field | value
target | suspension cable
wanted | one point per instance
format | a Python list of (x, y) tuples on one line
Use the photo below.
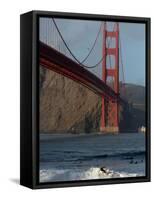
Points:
[(104, 54), (79, 62), (121, 60), (64, 40), (93, 44)]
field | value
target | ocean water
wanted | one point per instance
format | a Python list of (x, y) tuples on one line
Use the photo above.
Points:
[(80, 157)]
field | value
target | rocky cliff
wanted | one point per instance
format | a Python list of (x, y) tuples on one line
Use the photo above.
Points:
[(66, 106)]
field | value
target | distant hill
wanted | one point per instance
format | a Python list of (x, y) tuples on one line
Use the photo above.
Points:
[(134, 94), (135, 114), (66, 106)]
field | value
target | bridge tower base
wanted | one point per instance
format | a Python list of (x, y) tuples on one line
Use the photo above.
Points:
[(110, 108)]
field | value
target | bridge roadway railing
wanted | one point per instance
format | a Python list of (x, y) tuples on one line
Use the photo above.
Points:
[(56, 61)]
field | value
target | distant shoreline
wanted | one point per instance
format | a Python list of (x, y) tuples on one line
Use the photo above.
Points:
[(46, 136), (92, 133)]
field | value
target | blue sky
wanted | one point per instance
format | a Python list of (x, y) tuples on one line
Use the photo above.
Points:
[(80, 35)]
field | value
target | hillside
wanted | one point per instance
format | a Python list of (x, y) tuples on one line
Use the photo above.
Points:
[(66, 106), (134, 116), (134, 94)]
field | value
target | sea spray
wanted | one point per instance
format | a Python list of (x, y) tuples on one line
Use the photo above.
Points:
[(81, 174)]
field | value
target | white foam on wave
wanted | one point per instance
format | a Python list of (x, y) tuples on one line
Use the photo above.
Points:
[(47, 175)]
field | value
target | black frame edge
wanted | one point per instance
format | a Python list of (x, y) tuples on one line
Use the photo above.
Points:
[(34, 184), (148, 96), (91, 16), (26, 100)]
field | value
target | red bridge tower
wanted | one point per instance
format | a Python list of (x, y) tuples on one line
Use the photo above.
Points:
[(110, 108)]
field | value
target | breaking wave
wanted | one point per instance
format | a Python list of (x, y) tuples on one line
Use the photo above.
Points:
[(81, 174)]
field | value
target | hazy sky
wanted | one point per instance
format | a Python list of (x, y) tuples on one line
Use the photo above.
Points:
[(80, 36)]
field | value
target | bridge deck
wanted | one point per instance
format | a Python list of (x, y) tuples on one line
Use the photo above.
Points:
[(56, 61)]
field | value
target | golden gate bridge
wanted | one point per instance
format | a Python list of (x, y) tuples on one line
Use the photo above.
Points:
[(56, 55)]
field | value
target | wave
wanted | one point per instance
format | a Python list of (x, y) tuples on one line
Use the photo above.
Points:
[(78, 157), (53, 175), (125, 155)]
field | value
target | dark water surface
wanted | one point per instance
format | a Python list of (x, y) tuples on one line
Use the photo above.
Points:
[(79, 157)]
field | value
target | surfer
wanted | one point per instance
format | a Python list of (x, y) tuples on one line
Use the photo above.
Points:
[(105, 170)]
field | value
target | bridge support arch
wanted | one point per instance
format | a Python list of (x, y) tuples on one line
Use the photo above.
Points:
[(110, 108)]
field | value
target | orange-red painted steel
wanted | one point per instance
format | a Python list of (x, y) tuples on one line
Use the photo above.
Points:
[(54, 60), (110, 108)]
